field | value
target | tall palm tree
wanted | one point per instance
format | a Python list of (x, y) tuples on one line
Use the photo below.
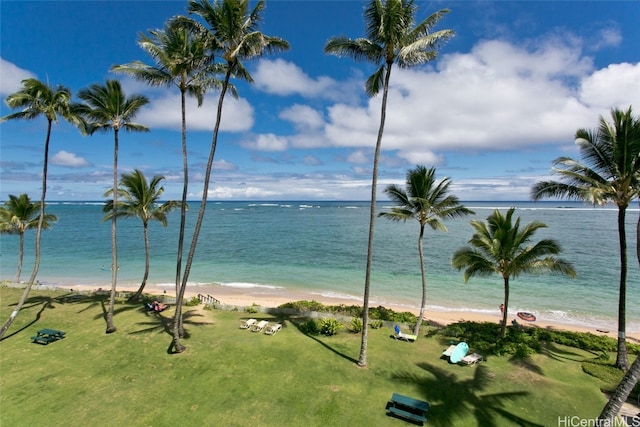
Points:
[(183, 59), (234, 31), (501, 247), (107, 108), (428, 202), (392, 38), (608, 174), (621, 393), (39, 99), (140, 199), (17, 216)]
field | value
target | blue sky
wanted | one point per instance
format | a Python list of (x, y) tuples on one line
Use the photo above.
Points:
[(503, 100)]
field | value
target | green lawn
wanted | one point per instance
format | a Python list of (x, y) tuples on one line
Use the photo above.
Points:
[(233, 377)]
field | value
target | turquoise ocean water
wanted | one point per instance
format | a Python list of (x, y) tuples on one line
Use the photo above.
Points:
[(320, 248)]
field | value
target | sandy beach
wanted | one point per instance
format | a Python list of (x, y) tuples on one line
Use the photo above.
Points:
[(272, 298)]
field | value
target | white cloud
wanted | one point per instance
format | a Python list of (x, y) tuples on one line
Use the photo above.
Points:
[(69, 160), (617, 85), (165, 113), (285, 78), (12, 77), (303, 117), (266, 142)]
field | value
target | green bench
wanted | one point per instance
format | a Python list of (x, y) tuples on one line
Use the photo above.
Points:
[(46, 336), (408, 408)]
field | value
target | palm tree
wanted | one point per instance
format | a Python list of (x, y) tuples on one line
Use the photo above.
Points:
[(18, 215), (233, 30), (621, 393), (182, 57), (39, 99), (501, 247), (428, 203), (140, 200), (107, 108), (608, 173), (391, 38)]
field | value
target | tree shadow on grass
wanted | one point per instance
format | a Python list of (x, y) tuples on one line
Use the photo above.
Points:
[(162, 322), (30, 303), (297, 322), (450, 397)]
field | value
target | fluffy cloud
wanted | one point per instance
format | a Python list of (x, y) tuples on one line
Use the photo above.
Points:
[(12, 77), (69, 160)]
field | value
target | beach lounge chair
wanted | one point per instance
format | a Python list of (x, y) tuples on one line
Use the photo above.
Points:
[(272, 329), (449, 350), (246, 324), (257, 327), (401, 336), (472, 359)]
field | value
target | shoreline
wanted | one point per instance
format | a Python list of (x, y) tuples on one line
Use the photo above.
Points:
[(267, 297)]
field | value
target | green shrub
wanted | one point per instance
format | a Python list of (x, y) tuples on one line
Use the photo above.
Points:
[(356, 325), (330, 327), (252, 308), (310, 327), (376, 324), (194, 301)]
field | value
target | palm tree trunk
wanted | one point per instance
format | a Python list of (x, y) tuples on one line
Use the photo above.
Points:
[(147, 256), (503, 328), (114, 244), (36, 265), (20, 257), (622, 360), (177, 324), (362, 358), (423, 301), (620, 395), (185, 186)]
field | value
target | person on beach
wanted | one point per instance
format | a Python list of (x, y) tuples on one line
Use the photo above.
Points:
[(501, 309)]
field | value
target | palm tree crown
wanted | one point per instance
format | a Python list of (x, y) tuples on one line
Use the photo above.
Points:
[(429, 203), (500, 246)]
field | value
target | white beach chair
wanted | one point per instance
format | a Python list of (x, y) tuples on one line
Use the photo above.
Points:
[(259, 326), (272, 329), (449, 350), (246, 324), (472, 359)]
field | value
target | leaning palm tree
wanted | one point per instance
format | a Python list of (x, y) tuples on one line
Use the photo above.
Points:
[(183, 59), (234, 32), (17, 216), (608, 173), (501, 247), (140, 200), (392, 38), (621, 393), (39, 99), (107, 108), (427, 201)]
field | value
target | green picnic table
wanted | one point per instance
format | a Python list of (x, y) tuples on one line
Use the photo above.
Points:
[(46, 336)]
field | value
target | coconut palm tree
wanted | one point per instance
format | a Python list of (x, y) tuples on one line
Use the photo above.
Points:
[(608, 174), (36, 99), (140, 199), (501, 247), (17, 216), (234, 30), (426, 201), (183, 59), (106, 108), (621, 393), (392, 38)]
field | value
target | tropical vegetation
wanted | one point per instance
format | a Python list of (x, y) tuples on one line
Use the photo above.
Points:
[(106, 108), (392, 37), (36, 99), (139, 198), (427, 201), (500, 246), (608, 173), (19, 214)]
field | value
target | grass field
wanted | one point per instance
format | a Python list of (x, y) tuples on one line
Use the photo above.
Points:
[(234, 377)]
